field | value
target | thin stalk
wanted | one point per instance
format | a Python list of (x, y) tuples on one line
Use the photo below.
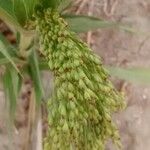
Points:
[(4, 61)]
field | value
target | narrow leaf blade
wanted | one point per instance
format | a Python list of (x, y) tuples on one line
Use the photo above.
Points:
[(50, 3), (11, 84), (20, 11), (136, 75), (35, 76), (3, 50), (29, 6), (79, 23), (64, 5), (7, 14)]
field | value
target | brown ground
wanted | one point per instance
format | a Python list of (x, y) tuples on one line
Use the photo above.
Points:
[(117, 48)]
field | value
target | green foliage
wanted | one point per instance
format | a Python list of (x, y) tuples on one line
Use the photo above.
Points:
[(52, 3), (7, 14), (4, 51), (7, 7), (30, 6), (35, 76), (24, 9), (64, 5), (79, 23), (12, 85), (20, 11), (49, 3), (135, 75)]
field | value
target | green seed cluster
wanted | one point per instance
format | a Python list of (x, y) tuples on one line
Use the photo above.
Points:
[(84, 99)]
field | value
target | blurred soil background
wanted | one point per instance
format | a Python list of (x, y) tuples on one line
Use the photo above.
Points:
[(116, 48)]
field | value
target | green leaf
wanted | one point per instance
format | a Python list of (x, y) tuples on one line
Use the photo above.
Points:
[(20, 11), (3, 60), (51, 3), (7, 14), (64, 5), (11, 51), (7, 6), (29, 6), (11, 87), (35, 76), (134, 30), (4, 50), (10, 48), (19, 84), (79, 23), (137, 75), (4, 40)]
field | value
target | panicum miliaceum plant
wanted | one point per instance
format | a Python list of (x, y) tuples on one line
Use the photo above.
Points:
[(84, 99)]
